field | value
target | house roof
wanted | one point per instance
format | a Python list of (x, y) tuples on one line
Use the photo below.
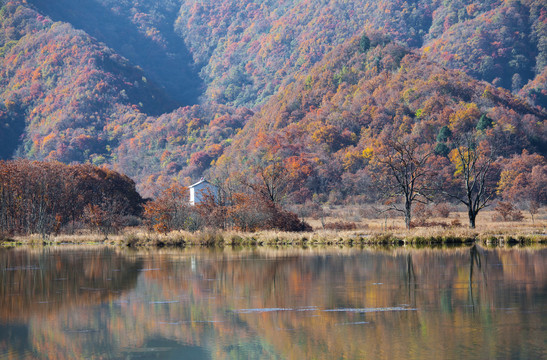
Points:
[(200, 182)]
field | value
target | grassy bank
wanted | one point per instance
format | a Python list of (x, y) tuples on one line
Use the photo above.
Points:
[(429, 236), (366, 232)]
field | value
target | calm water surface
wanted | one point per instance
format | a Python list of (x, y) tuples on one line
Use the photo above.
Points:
[(103, 303)]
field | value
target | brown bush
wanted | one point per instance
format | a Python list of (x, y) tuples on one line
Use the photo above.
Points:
[(212, 212), (170, 211), (442, 210), (288, 221), (340, 225), (422, 213), (252, 213), (508, 212)]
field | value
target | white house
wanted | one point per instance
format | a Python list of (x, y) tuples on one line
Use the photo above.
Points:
[(200, 189)]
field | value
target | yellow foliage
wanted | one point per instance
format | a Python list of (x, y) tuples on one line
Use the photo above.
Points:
[(325, 135), (351, 159), (368, 153), (9, 104), (465, 117), (509, 128), (507, 178), (456, 159)]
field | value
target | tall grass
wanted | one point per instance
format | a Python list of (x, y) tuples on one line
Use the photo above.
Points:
[(367, 232)]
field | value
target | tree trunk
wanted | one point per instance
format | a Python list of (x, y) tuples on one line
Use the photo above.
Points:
[(472, 217), (408, 214)]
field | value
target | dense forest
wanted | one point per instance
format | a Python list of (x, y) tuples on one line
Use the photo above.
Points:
[(167, 91), (49, 197), (247, 50)]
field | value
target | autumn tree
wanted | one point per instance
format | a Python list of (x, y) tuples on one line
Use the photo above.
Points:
[(523, 181), (213, 207), (271, 181), (43, 197), (474, 175), (508, 211), (403, 173), (251, 212), (170, 210), (248, 212), (106, 217)]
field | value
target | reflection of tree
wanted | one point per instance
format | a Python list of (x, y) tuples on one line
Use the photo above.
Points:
[(206, 299), (40, 282), (474, 258), (478, 261), (412, 284)]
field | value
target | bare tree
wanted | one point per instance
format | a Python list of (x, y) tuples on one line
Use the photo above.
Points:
[(403, 173), (272, 181)]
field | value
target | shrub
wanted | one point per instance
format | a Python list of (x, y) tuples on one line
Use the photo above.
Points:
[(422, 214), (442, 210), (508, 212), (340, 225), (170, 211), (251, 213), (288, 221)]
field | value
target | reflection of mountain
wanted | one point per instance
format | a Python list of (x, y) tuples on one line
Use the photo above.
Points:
[(272, 304), (42, 282)]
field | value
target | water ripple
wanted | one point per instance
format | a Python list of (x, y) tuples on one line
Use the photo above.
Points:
[(367, 310)]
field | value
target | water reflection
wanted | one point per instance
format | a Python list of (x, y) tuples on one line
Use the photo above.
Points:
[(38, 282), (264, 303)]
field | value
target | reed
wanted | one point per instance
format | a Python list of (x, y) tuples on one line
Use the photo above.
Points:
[(367, 232)]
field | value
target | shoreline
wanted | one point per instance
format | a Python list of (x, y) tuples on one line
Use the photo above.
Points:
[(137, 238)]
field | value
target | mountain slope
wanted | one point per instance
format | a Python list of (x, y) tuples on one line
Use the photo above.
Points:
[(248, 49), (322, 124), (296, 80), (500, 45), (159, 52), (62, 87), (252, 48)]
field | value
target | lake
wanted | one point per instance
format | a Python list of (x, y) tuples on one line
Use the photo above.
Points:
[(378, 303)]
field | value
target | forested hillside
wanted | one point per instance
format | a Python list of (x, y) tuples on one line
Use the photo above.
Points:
[(147, 39), (170, 90), (327, 123), (251, 48), (246, 50), (59, 88)]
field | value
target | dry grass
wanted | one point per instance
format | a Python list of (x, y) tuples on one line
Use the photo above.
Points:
[(487, 223), (368, 232)]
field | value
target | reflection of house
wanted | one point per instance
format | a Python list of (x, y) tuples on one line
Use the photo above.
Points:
[(201, 189)]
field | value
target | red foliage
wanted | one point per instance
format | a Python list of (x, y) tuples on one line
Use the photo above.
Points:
[(170, 210), (42, 197)]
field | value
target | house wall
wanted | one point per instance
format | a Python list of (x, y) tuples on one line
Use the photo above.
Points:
[(197, 192)]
